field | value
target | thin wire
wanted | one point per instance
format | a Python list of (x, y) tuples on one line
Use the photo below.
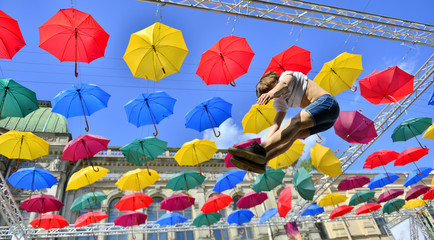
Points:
[(290, 34), (299, 34), (358, 37), (345, 43), (405, 56), (227, 23), (233, 27)]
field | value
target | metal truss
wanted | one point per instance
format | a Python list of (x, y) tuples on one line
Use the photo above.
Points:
[(317, 16)]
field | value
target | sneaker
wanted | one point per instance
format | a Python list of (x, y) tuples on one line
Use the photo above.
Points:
[(255, 153), (247, 165)]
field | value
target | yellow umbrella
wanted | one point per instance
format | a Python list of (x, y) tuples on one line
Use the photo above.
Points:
[(22, 145), (414, 203), (332, 199), (289, 157), (325, 161), (340, 73), (86, 176), (429, 133), (155, 52), (259, 117), (136, 180), (194, 152)]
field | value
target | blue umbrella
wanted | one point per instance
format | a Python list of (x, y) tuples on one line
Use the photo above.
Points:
[(149, 108), (313, 210), (171, 218), (382, 179), (417, 175), (208, 114), (228, 180), (81, 99), (267, 215), (431, 100), (240, 216)]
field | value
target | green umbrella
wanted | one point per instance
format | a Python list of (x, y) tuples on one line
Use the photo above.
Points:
[(393, 205), (143, 150), (15, 99), (206, 219), (87, 200), (362, 196), (303, 184), (185, 180), (268, 180), (411, 128)]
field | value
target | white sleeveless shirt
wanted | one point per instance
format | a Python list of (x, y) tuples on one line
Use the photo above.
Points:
[(296, 88)]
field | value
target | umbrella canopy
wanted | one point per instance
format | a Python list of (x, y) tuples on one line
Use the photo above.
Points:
[(340, 73), (143, 150), (325, 161), (240, 216), (269, 180), (133, 201), (259, 117), (194, 152), (208, 219), (416, 191), (353, 181), (289, 157), (16, 100), (225, 61), (42, 203), (303, 183), (73, 36), (411, 128), (228, 180), (89, 218), (49, 221), (284, 202), (360, 197), (155, 52), (429, 133), (414, 203), (367, 208), (313, 210), (380, 158), (81, 99), (417, 175), (85, 176), (136, 180), (429, 195), (10, 36), (353, 127), (130, 219), (267, 215), (240, 145), (251, 199), (208, 114), (216, 203), (393, 205), (292, 59), (390, 194), (177, 202), (382, 180), (185, 180), (149, 108), (87, 200), (332, 199), (32, 179), (340, 211), (409, 155), (387, 86), (171, 219)]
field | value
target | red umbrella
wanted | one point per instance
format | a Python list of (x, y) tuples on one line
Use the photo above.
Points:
[(11, 39), (368, 208), (130, 219), (89, 218), (354, 181), (389, 195), (292, 59), (49, 221), (133, 201), (353, 127), (41, 204), (216, 203), (177, 202), (409, 155), (380, 158), (340, 211), (416, 191), (240, 145), (73, 36), (284, 202), (224, 62), (387, 86), (429, 195), (251, 199)]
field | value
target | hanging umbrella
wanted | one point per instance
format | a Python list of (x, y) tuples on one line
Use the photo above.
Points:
[(258, 118), (431, 100), (89, 218), (81, 99), (42, 203), (171, 219), (143, 150), (87, 200), (393, 205), (10, 36), (429, 133), (194, 152), (416, 191), (289, 157), (216, 203), (133, 201), (313, 210), (389, 195), (332, 199), (185, 180), (284, 202), (360, 197), (340, 211), (240, 216), (149, 108), (382, 180), (16, 100), (73, 36), (417, 175), (177, 202), (240, 145), (409, 155), (228, 180), (340, 73), (208, 114), (325, 161), (429, 195), (303, 183), (84, 146), (368, 208), (353, 181), (269, 180), (49, 221), (267, 215), (414, 203), (86, 176), (22, 145), (411, 128), (380, 158), (353, 127), (251, 199), (155, 52), (136, 180), (206, 219), (130, 219), (292, 59), (225, 61)]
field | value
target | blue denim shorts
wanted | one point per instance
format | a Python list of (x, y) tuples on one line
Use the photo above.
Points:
[(324, 111)]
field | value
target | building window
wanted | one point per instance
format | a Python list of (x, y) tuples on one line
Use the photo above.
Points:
[(154, 212), (114, 213), (221, 234), (322, 230), (242, 232), (186, 235)]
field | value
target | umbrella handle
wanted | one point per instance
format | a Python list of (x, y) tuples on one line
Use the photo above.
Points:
[(156, 130), (84, 112), (216, 135), (210, 121), (76, 73), (233, 84), (16, 168), (355, 88), (320, 139), (93, 167)]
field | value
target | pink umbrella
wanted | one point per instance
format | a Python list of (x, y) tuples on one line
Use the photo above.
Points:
[(354, 181), (251, 199), (240, 145), (389, 195), (42, 204), (353, 127), (416, 191), (130, 219), (177, 202)]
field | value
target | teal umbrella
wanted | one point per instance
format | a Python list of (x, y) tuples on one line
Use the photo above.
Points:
[(393, 205), (268, 180), (144, 150), (87, 200), (411, 128), (208, 219), (185, 180), (304, 184), (360, 197), (15, 99)]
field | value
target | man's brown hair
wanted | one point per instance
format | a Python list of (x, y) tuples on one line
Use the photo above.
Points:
[(267, 82)]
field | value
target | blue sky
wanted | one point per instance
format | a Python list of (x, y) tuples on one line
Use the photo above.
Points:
[(40, 71)]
